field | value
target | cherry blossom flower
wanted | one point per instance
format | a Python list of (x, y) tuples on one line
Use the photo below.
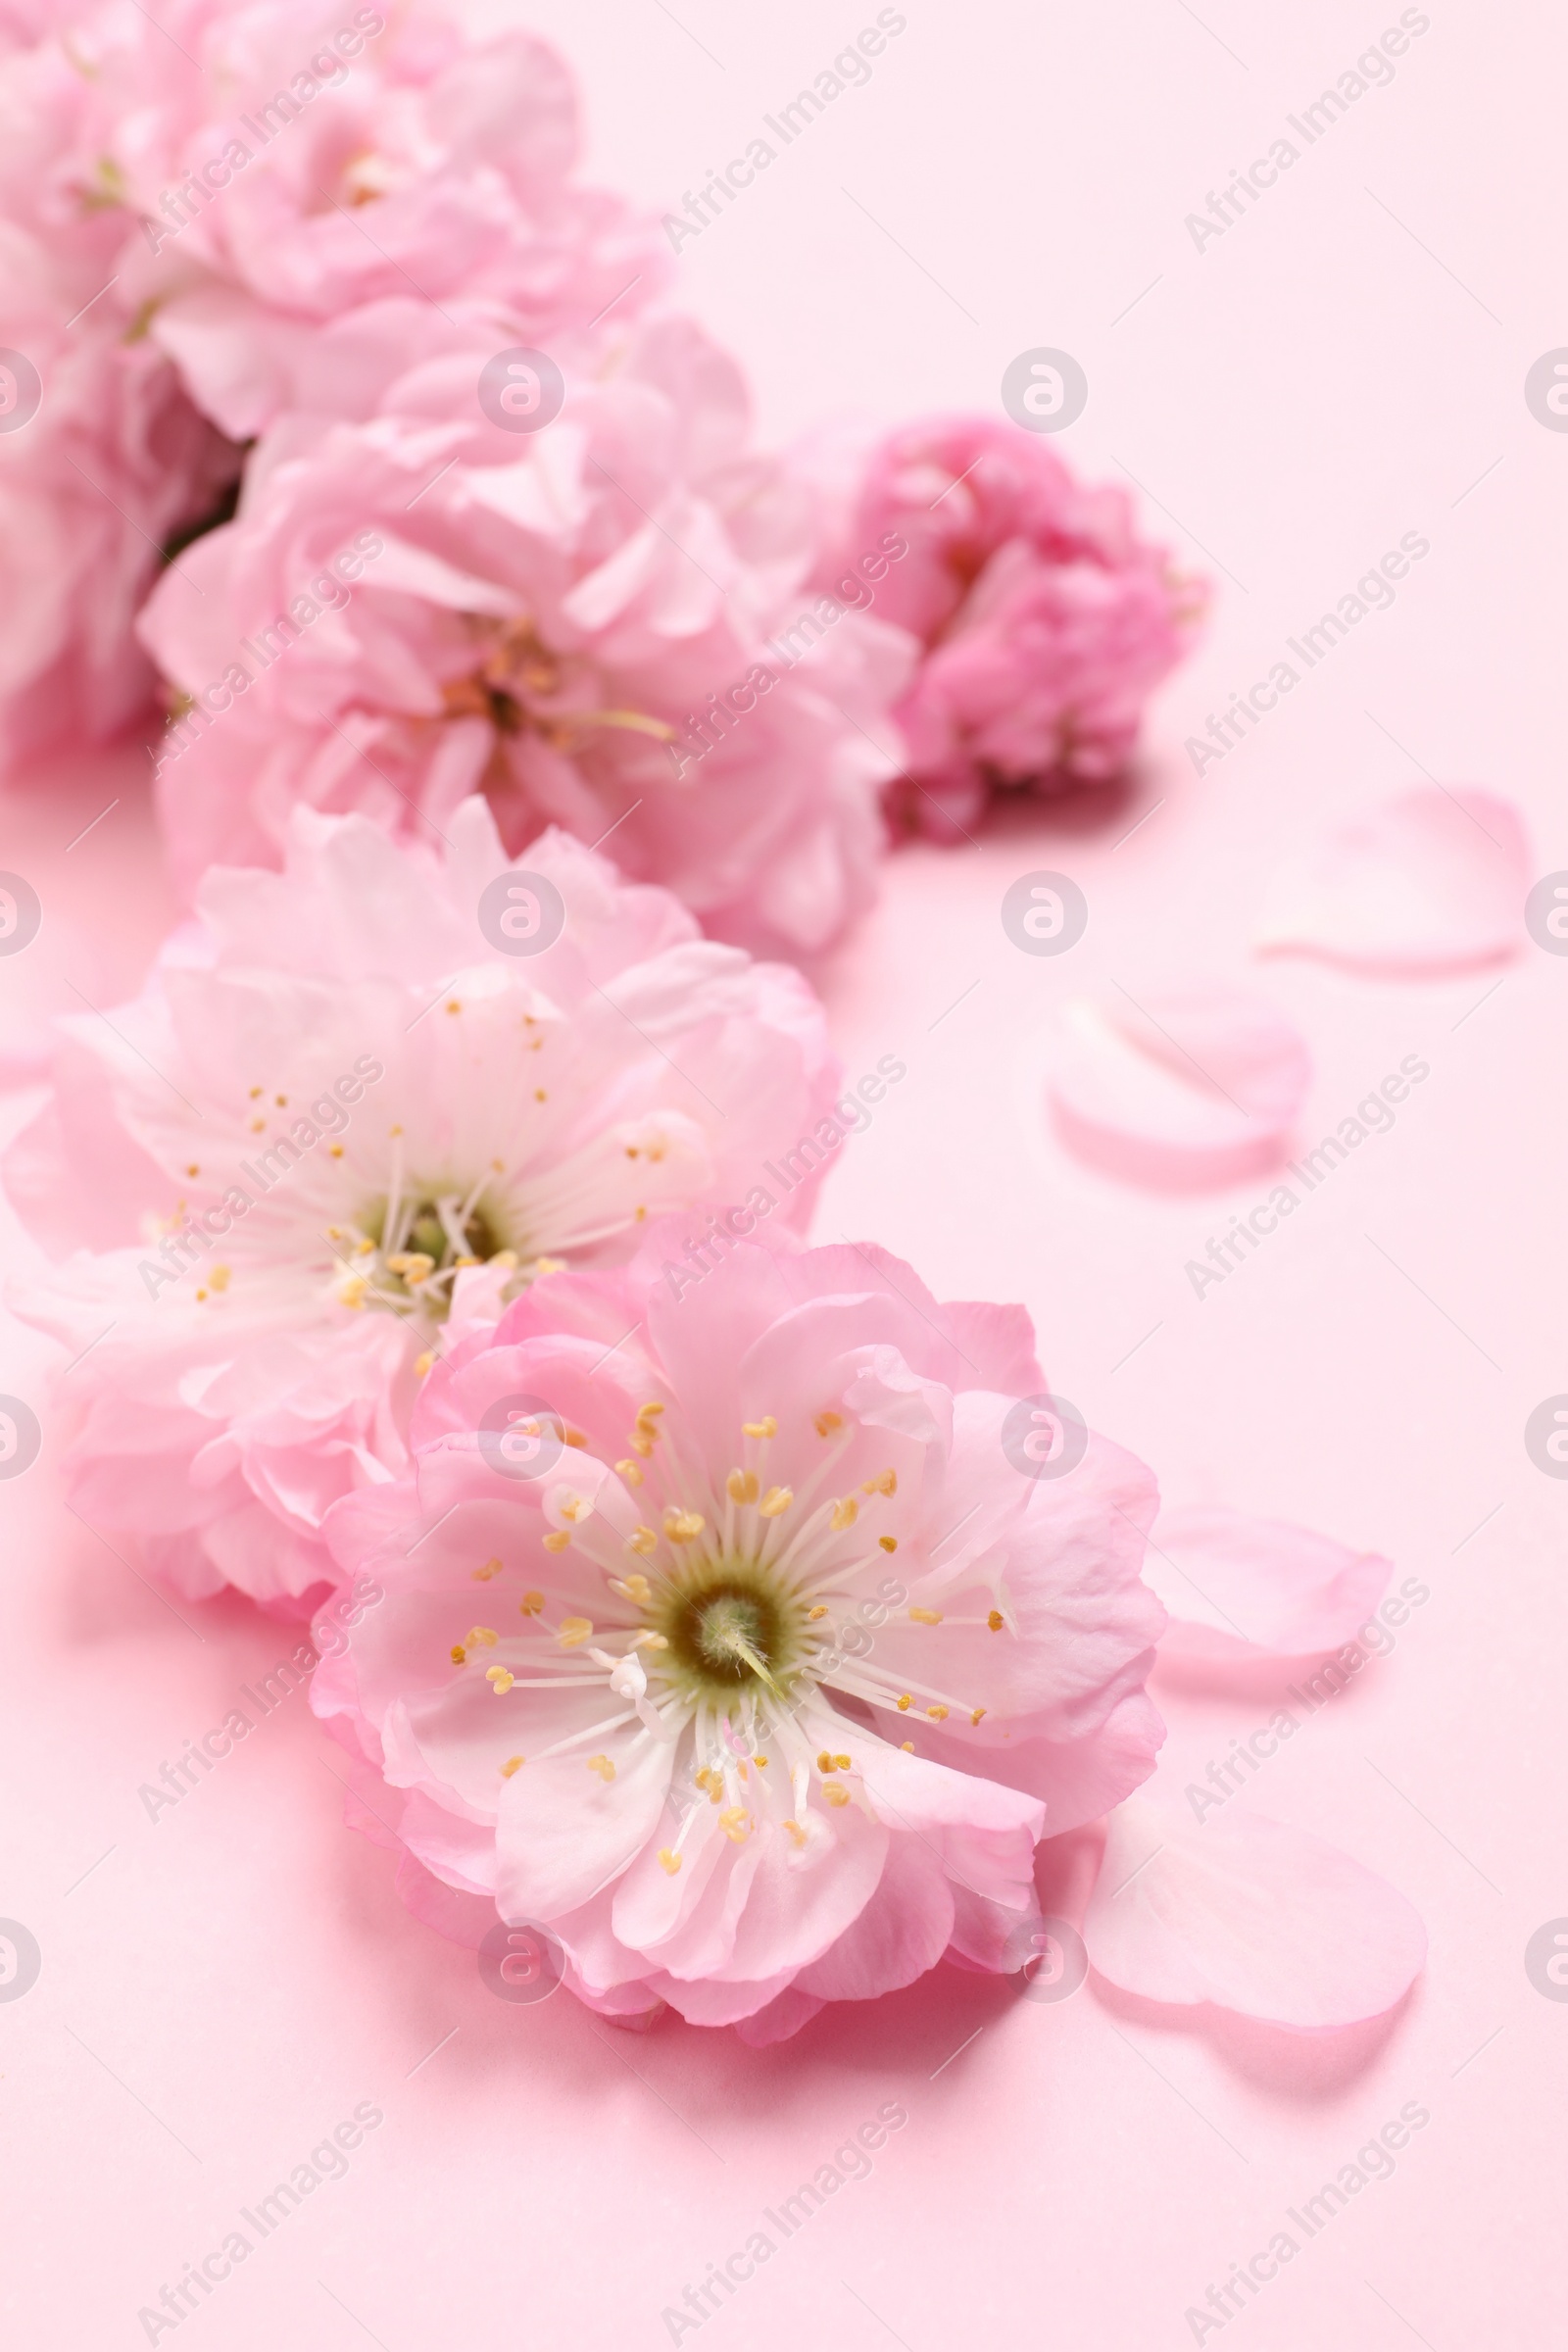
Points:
[(104, 459), (753, 1678), (274, 170), (214, 216), (575, 621), (339, 1129), (1044, 621)]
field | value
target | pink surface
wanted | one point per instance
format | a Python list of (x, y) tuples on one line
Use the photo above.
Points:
[(223, 1986)]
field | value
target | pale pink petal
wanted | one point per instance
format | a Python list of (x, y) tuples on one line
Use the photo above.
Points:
[(1250, 1915), (1233, 1583), (1430, 881), (1199, 1084)]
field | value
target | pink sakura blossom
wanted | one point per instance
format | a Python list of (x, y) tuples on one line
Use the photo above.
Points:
[(1044, 621), (103, 457), (339, 1129), (589, 623), (276, 169), (213, 216), (753, 1680)]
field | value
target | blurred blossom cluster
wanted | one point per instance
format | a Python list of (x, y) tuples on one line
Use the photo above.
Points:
[(288, 274)]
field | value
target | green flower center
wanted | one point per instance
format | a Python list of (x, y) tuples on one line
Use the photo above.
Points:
[(732, 1627)]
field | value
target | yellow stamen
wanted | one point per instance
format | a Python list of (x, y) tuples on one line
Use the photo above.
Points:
[(669, 1859), (938, 1714), (604, 1767), (736, 1823), (577, 1506), (630, 1471), (797, 1834), (741, 1485), (905, 1703), (483, 1576), (835, 1792), (558, 1538), (414, 1266), (422, 1363), (512, 1764), (908, 1747), (682, 1526), (845, 1514), (642, 1540), (827, 1423), (995, 1621), (978, 1712), (767, 1427), (634, 1588), (886, 1482), (824, 1762), (572, 1632), (820, 1610), (775, 1501), (459, 1655), (481, 1636), (889, 1543), (500, 1680), (531, 1603), (925, 1616)]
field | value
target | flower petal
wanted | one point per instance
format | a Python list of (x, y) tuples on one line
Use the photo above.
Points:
[(1249, 1914), (1230, 1581), (1432, 880), (1191, 1085)]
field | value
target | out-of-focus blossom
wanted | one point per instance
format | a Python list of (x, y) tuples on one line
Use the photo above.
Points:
[(1044, 621), (603, 624)]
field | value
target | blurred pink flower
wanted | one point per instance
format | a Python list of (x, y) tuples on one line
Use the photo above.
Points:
[(103, 457), (1044, 622), (213, 216), (276, 169), (551, 619), (756, 1685), (339, 1127)]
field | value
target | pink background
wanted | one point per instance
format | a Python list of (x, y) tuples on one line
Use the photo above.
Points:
[(219, 1989)]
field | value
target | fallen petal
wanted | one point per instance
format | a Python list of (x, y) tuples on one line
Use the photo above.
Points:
[(1195, 1085), (1432, 880), (1233, 1584), (1249, 1914)]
